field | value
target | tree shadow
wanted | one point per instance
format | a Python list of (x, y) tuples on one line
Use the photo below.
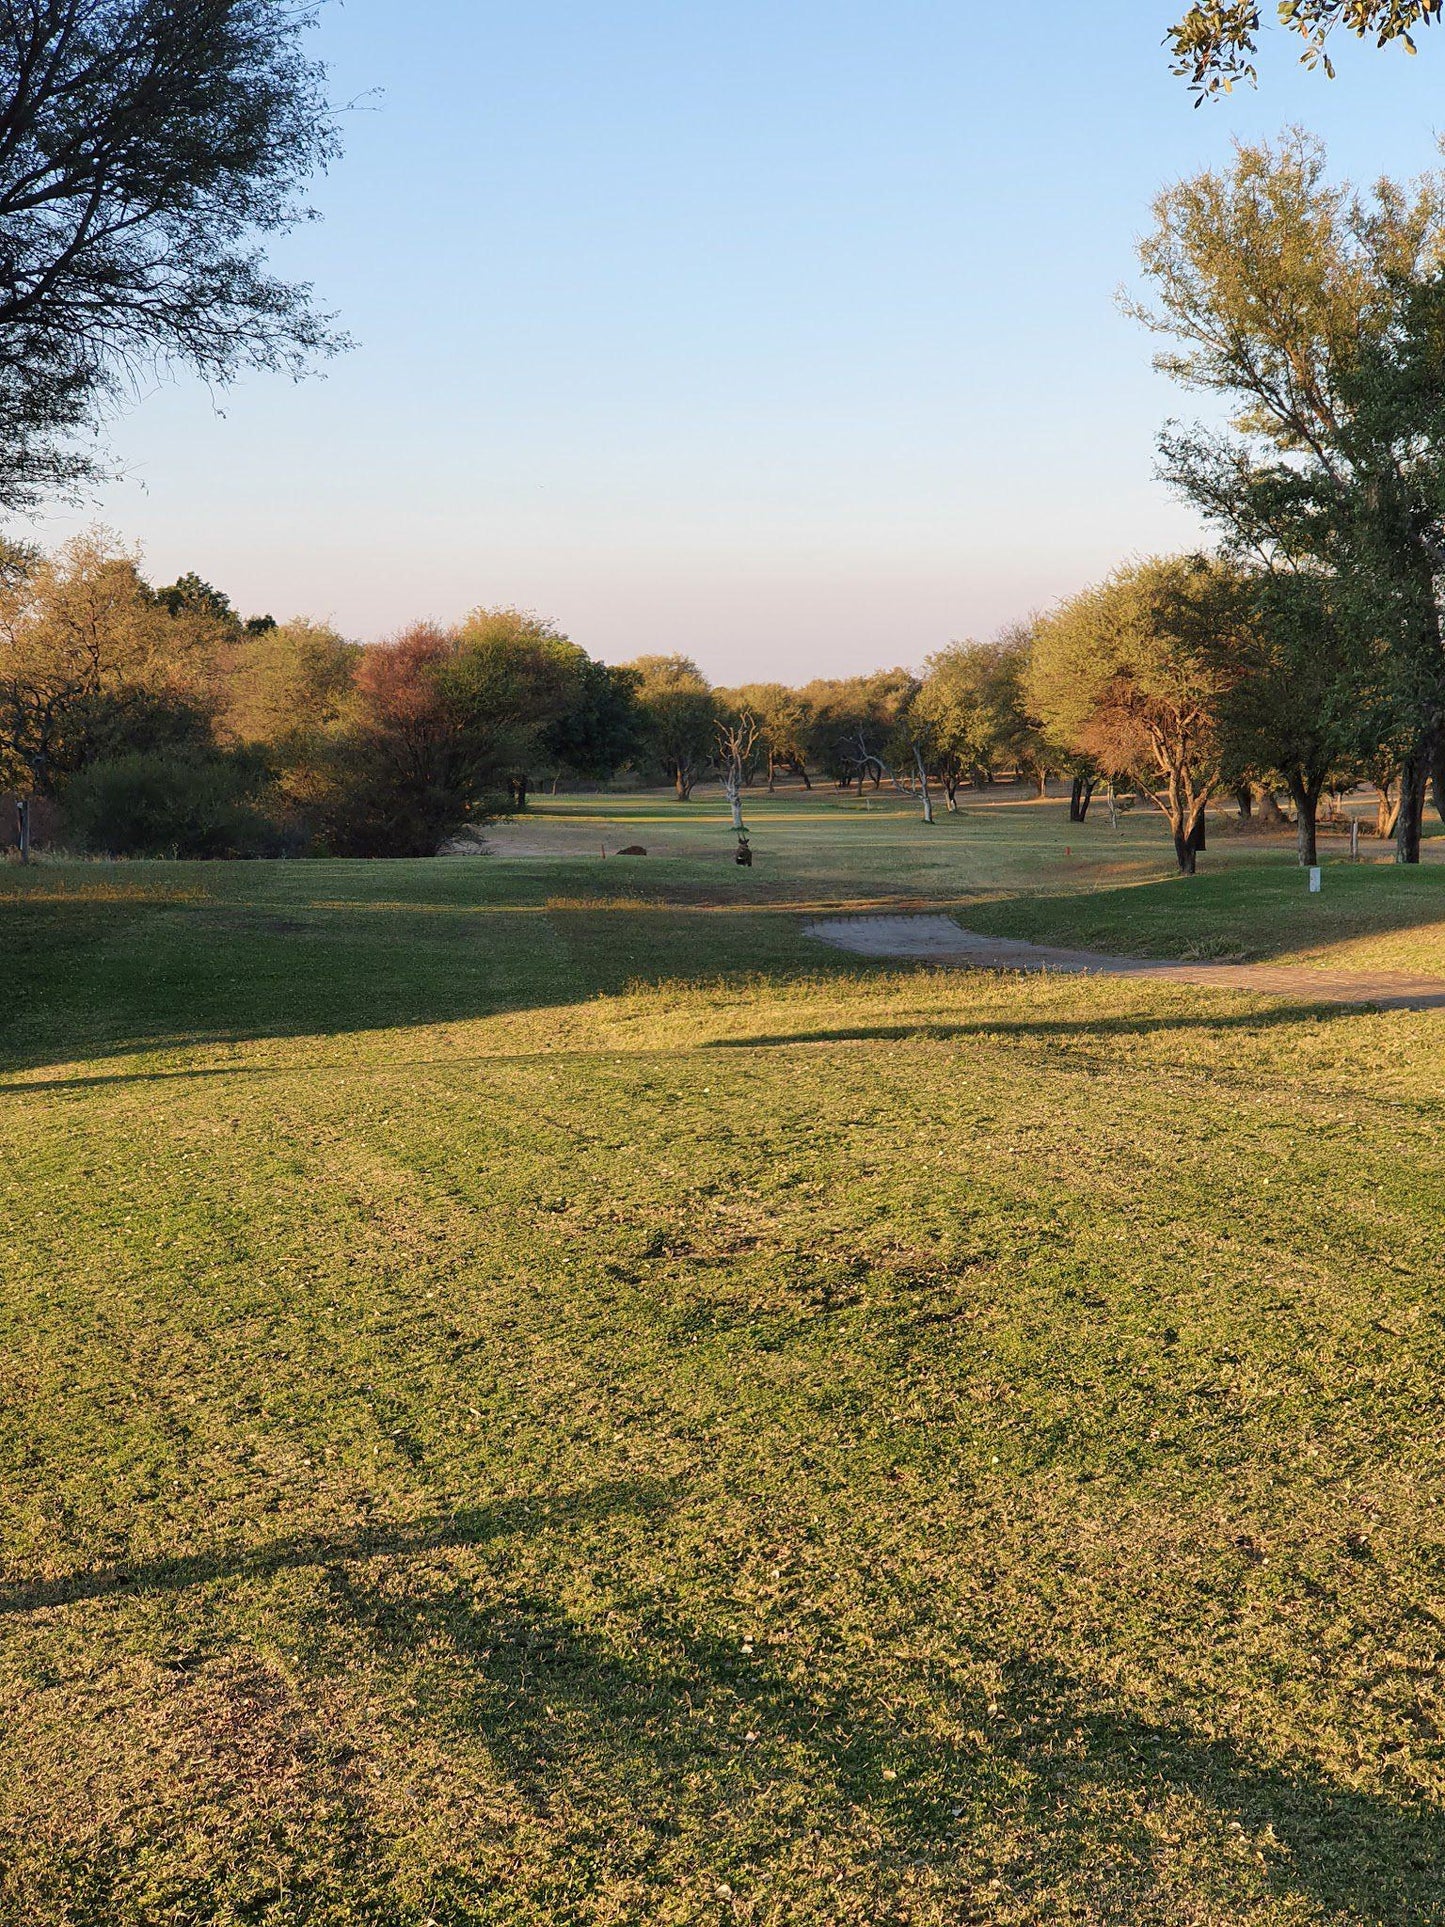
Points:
[(681, 1736), (89, 981), (472, 1526), (394, 946), (1073, 1780), (1260, 910), (1127, 1024)]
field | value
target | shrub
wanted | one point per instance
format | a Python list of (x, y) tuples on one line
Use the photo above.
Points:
[(176, 803)]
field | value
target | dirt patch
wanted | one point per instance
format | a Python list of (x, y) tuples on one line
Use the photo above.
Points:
[(938, 939)]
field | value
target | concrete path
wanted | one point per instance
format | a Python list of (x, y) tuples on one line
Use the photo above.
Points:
[(938, 939)]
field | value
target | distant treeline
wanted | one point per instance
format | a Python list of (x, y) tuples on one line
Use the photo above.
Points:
[(159, 722), (156, 721)]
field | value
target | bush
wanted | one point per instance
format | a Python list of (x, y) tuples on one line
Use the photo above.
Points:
[(177, 803)]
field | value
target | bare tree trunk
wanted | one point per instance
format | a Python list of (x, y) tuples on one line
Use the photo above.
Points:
[(1244, 796), (772, 775), (922, 768), (803, 772), (1437, 774), (1184, 851), (1080, 798), (22, 827)]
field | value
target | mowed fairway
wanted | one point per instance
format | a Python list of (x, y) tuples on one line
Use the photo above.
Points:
[(533, 1393)]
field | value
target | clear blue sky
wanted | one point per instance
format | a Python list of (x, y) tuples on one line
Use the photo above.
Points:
[(782, 333)]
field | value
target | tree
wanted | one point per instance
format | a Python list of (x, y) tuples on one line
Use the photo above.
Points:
[(291, 679), (1295, 705), (189, 595), (1134, 673), (949, 704), (1319, 313), (678, 716), (287, 695), (146, 148), (735, 740), (517, 676), (601, 729), (407, 768), (854, 719), (784, 721), (92, 663), (972, 701), (914, 742), (188, 803), (1215, 42)]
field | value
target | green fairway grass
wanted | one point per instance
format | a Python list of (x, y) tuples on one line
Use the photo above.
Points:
[(535, 1393)]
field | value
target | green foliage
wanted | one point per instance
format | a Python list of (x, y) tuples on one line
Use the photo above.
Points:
[(1301, 707), (679, 715), (1134, 674), (179, 802), (287, 683), (84, 642), (601, 728), (1321, 312), (972, 713), (514, 678), (785, 724), (855, 719), (189, 595)]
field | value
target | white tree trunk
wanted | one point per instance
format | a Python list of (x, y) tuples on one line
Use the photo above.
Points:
[(923, 783)]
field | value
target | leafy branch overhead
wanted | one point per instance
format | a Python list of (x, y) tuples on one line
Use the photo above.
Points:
[(1215, 43), (147, 148)]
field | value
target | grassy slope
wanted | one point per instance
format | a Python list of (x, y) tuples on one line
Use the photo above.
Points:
[(535, 1396)]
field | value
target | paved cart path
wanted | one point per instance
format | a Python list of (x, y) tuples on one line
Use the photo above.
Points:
[(938, 939)]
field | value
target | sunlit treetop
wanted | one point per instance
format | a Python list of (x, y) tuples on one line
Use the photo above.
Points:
[(1215, 42)]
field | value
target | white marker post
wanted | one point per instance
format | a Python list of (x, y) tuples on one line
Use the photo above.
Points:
[(1314, 880)]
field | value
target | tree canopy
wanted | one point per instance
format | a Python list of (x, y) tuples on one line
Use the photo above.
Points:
[(1134, 673), (1319, 312)]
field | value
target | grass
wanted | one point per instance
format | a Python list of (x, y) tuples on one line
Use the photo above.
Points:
[(534, 1394)]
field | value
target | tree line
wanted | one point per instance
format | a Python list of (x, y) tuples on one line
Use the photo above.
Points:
[(158, 721), (1303, 653)]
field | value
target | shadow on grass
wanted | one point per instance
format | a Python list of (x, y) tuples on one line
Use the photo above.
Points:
[(1131, 1024), (388, 946), (474, 1526), (924, 1032), (599, 1735), (1258, 912), (1070, 1780), (91, 981), (592, 1731)]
